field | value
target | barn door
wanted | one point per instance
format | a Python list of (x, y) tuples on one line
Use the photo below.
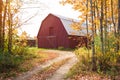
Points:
[(52, 41)]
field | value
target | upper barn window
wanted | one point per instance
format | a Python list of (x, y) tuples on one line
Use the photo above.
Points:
[(51, 31)]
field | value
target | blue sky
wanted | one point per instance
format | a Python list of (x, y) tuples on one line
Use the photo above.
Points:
[(40, 9)]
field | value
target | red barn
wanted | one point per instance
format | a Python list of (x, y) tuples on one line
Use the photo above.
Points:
[(55, 31)]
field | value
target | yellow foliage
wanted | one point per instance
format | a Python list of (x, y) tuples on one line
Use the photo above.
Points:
[(15, 31), (76, 26), (84, 7)]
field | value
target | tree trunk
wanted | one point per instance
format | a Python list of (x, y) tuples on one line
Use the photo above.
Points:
[(95, 31), (93, 46), (3, 26), (105, 27), (101, 28), (87, 25), (9, 28), (112, 14), (1, 3), (87, 17), (10, 34), (118, 29)]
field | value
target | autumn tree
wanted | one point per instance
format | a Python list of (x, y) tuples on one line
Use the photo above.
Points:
[(103, 17), (9, 9), (10, 23)]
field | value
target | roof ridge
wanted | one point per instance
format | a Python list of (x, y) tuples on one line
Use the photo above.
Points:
[(65, 18)]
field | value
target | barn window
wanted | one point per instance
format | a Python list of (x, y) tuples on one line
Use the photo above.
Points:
[(51, 31)]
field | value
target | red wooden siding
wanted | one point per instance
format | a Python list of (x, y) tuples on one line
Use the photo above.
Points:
[(52, 34)]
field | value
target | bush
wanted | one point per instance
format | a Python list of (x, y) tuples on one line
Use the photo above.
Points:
[(105, 63), (84, 56), (19, 50), (12, 61), (8, 62)]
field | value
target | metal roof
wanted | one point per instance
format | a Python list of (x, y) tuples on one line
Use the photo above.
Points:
[(67, 25)]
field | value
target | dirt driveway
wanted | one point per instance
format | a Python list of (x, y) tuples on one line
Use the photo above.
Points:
[(59, 74)]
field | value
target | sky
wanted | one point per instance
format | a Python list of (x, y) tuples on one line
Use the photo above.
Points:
[(37, 10)]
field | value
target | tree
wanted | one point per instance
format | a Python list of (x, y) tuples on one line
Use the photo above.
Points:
[(9, 11), (102, 16), (101, 27), (9, 27), (93, 33), (10, 22), (1, 5), (118, 43), (119, 17)]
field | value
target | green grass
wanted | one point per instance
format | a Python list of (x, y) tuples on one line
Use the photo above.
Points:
[(36, 49), (59, 48)]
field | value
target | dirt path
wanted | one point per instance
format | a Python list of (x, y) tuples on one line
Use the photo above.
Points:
[(59, 74)]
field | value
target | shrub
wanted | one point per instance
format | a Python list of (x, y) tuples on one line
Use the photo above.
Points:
[(8, 62), (12, 61), (105, 63), (84, 56), (19, 50)]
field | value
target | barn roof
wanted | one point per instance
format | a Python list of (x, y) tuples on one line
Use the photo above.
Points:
[(67, 25)]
